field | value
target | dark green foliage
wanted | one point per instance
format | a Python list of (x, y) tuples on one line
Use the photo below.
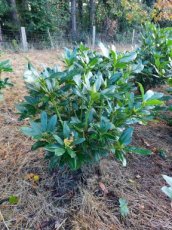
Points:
[(42, 15), (3, 7), (4, 67), (37, 16), (155, 53), (87, 110), (4, 83)]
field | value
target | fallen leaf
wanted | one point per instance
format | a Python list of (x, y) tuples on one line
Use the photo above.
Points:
[(138, 176), (131, 181), (29, 176), (145, 142), (142, 206), (32, 177), (36, 178), (103, 188)]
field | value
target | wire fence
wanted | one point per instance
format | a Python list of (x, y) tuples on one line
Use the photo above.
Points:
[(17, 41)]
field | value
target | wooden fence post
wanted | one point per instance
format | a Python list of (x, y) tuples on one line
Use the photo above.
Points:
[(133, 36), (94, 37), (24, 39), (50, 38)]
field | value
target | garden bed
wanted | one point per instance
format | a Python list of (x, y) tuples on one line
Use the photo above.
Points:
[(87, 200)]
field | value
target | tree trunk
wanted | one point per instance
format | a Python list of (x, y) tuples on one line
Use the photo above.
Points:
[(80, 12), (92, 13), (13, 11), (0, 36), (73, 19)]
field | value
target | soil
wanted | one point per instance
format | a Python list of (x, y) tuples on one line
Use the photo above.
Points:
[(87, 200)]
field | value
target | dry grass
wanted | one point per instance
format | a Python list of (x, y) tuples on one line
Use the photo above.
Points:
[(16, 161), (61, 200), (94, 214)]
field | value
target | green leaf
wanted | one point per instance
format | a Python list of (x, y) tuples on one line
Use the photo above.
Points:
[(66, 130), (150, 95), (71, 153), (139, 151), (153, 102), (169, 81), (137, 68), (44, 121), (58, 139), (76, 162), (27, 131), (79, 141), (141, 89), (93, 62), (123, 205), (120, 156), (104, 50), (128, 57), (167, 191), (59, 151), (168, 179), (126, 137), (98, 83), (13, 200), (31, 132), (115, 77), (52, 124), (169, 42)]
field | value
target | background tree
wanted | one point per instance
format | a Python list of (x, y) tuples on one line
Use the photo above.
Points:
[(73, 19), (80, 13), (162, 12), (92, 12), (14, 12), (77, 17)]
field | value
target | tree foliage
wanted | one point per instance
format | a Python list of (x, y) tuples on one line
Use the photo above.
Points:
[(162, 11), (77, 17)]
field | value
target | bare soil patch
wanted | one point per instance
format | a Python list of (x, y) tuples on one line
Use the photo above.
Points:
[(75, 201)]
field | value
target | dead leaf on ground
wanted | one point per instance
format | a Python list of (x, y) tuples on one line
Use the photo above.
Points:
[(103, 188)]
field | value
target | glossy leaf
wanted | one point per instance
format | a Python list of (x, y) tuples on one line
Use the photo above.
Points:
[(168, 179), (139, 151), (44, 121), (52, 123), (126, 136)]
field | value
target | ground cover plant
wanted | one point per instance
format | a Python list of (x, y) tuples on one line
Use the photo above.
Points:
[(155, 53), (87, 111), (4, 67)]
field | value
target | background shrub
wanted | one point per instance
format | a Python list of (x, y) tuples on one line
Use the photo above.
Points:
[(155, 53), (4, 67)]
